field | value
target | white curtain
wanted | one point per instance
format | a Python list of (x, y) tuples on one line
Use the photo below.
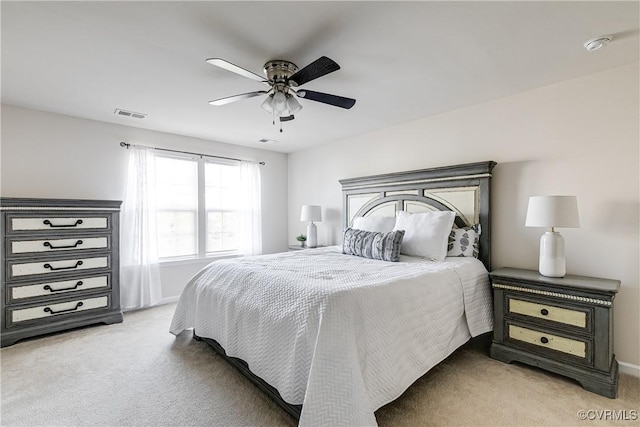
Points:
[(139, 269), (250, 209)]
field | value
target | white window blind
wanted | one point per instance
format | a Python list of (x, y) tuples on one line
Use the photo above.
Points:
[(198, 204)]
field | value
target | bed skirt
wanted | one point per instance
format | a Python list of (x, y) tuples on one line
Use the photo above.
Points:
[(243, 367)]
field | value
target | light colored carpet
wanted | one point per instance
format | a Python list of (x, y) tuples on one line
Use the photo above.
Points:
[(137, 374)]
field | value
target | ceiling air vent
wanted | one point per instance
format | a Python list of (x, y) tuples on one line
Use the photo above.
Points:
[(126, 113)]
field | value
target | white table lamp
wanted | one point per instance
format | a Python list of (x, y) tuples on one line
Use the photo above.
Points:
[(311, 213), (552, 212)]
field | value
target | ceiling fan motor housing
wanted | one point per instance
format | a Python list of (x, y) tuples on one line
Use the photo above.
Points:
[(279, 71)]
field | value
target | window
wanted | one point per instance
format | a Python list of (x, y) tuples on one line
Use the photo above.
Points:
[(221, 200), (196, 207)]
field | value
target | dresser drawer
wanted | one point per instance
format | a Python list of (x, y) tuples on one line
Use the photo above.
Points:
[(19, 294), (57, 244), (552, 313), (57, 223), (57, 310), (19, 269), (546, 341)]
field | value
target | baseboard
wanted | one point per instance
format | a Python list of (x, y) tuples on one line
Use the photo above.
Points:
[(629, 369), (168, 300), (163, 301)]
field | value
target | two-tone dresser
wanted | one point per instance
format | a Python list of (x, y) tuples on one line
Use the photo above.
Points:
[(563, 325), (60, 265)]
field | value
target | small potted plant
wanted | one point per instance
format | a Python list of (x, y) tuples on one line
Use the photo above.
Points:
[(302, 239)]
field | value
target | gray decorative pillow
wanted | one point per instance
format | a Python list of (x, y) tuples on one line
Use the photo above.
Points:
[(369, 244), (464, 241)]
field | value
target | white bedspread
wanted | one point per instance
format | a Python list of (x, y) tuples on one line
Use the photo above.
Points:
[(340, 334)]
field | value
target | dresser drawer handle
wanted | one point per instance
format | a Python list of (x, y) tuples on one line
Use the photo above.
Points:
[(78, 305), (544, 340), (48, 244), (50, 289), (49, 266), (544, 311), (47, 222)]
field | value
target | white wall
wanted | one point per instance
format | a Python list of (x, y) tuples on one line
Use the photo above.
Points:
[(577, 137), (55, 156)]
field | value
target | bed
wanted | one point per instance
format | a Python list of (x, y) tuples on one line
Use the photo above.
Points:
[(333, 337)]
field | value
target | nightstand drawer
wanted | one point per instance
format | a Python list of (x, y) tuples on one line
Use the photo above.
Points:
[(549, 312), (549, 341)]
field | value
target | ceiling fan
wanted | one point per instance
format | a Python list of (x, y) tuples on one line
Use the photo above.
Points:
[(284, 79)]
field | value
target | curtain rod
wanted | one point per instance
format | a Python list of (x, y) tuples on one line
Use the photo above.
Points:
[(124, 144)]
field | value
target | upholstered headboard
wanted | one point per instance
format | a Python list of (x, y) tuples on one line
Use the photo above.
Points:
[(464, 189)]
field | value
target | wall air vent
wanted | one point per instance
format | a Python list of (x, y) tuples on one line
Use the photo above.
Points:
[(126, 113)]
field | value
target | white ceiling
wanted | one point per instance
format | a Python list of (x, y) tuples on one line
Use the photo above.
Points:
[(401, 61)]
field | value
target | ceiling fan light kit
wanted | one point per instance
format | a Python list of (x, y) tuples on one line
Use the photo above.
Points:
[(283, 77)]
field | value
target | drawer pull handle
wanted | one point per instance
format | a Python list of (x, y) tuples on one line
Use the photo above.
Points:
[(47, 222), (544, 340), (544, 311), (50, 289), (78, 305), (48, 244), (49, 266)]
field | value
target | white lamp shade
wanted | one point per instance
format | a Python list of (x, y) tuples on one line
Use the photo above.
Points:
[(293, 105), (553, 211), (311, 213), (279, 102), (267, 105)]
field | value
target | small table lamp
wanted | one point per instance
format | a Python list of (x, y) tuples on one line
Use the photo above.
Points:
[(311, 213), (552, 211)]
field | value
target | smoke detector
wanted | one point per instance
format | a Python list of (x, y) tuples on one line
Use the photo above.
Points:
[(597, 43)]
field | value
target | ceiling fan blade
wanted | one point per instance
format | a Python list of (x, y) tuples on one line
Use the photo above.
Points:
[(219, 62), (234, 98), (287, 118), (317, 68), (338, 101)]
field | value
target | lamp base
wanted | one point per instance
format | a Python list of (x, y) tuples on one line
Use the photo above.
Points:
[(312, 235), (552, 262)]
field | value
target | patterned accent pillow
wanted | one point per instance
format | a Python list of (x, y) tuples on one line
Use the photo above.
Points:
[(370, 244), (464, 241)]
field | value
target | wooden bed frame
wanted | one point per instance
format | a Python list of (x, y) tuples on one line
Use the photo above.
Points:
[(464, 189)]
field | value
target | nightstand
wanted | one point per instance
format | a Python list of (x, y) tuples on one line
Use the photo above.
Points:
[(298, 247), (563, 325)]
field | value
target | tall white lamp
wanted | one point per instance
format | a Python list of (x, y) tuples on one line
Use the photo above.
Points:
[(552, 212), (311, 213)]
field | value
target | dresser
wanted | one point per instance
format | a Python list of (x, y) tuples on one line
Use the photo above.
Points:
[(563, 325), (60, 265)]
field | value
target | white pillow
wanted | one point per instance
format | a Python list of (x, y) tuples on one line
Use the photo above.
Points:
[(378, 224), (426, 234)]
